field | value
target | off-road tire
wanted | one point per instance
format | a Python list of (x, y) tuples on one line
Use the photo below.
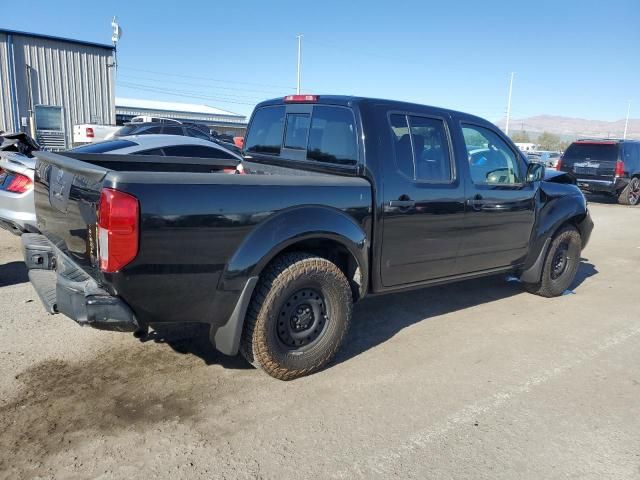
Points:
[(288, 274), (630, 195), (551, 285)]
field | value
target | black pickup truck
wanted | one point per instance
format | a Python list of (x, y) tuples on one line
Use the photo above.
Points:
[(341, 197)]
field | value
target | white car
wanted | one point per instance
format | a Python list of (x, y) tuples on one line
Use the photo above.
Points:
[(17, 208), (164, 145)]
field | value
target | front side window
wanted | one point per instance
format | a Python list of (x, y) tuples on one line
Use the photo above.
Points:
[(332, 136), (491, 161), (172, 130), (265, 134)]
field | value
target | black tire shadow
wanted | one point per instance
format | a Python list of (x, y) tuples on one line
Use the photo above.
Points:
[(193, 339), (379, 318), (13, 273), (601, 198)]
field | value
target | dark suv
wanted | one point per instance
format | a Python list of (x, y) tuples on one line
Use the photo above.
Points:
[(605, 166)]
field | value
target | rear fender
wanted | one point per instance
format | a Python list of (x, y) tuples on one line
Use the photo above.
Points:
[(291, 226)]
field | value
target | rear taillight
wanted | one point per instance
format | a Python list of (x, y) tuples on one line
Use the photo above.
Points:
[(619, 171), (118, 229), (18, 183), (90, 133), (559, 164)]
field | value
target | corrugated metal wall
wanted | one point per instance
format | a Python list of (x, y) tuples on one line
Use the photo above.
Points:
[(77, 77)]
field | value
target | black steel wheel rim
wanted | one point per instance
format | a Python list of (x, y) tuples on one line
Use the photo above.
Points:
[(634, 191), (560, 260), (302, 319)]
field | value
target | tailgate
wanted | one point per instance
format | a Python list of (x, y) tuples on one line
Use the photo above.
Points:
[(66, 194)]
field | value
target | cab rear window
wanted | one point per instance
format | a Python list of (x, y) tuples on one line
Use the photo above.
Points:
[(326, 134), (265, 134)]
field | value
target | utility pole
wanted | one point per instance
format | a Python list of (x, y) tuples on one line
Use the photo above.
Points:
[(626, 122), (299, 37), (506, 127)]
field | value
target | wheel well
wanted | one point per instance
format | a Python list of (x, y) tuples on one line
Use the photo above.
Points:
[(334, 252)]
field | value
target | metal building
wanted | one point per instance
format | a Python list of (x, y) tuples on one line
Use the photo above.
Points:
[(48, 84), (221, 121)]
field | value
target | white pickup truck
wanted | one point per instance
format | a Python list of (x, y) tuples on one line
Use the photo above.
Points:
[(92, 132)]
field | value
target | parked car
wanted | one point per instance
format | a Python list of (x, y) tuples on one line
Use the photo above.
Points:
[(605, 166), (17, 165), (550, 159), (161, 145), (92, 132), (344, 196)]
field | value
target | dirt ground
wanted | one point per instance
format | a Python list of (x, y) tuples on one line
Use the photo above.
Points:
[(473, 380)]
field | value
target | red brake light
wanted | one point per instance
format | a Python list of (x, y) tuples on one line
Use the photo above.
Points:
[(300, 98), (619, 172), (90, 133), (19, 184), (559, 164), (118, 215)]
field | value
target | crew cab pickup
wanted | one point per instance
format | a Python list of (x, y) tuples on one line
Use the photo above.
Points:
[(341, 197)]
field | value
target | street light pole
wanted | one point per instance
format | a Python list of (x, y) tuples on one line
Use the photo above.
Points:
[(626, 122), (506, 127), (299, 37)]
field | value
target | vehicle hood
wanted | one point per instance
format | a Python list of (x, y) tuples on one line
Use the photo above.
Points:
[(554, 176)]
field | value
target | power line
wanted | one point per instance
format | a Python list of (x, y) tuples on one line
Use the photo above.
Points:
[(194, 77), (179, 93), (198, 85)]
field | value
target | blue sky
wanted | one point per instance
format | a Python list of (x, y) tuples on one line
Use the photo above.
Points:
[(572, 58)]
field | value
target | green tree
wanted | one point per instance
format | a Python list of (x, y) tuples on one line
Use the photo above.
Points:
[(521, 137), (548, 141)]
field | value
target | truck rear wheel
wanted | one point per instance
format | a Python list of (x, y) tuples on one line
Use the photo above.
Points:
[(560, 265), (298, 316), (630, 195)]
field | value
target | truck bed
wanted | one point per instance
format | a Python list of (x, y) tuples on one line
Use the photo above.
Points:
[(192, 225)]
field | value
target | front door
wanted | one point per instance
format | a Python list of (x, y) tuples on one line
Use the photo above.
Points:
[(500, 211), (423, 201)]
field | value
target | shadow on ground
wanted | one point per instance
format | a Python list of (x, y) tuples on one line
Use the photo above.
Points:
[(379, 318), (601, 198), (13, 273), (193, 339)]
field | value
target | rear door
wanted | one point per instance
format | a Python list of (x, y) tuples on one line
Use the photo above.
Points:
[(592, 160), (500, 205), (423, 201)]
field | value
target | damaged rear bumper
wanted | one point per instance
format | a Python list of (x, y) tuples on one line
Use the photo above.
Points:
[(65, 288)]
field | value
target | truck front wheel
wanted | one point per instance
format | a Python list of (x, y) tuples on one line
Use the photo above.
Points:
[(560, 265), (298, 316)]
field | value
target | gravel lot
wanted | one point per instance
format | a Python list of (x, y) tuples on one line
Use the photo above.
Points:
[(474, 380)]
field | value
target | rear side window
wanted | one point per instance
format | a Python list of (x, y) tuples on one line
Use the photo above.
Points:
[(196, 151), (103, 147), (153, 151), (422, 148), (332, 136), (265, 134), (592, 151), (194, 132)]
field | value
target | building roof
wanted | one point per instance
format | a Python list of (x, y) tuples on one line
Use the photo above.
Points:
[(137, 103), (59, 39)]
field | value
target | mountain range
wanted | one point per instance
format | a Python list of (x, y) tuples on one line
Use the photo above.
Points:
[(570, 128)]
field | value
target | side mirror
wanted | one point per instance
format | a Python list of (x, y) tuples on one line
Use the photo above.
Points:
[(535, 172)]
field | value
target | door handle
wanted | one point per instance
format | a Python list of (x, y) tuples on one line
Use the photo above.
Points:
[(476, 203), (402, 203)]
